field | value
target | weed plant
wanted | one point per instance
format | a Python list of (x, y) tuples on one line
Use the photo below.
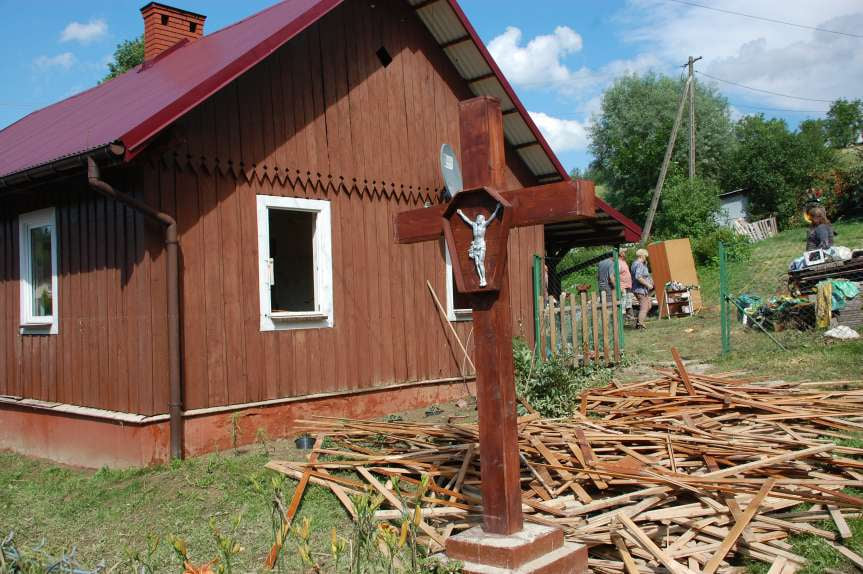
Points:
[(553, 386)]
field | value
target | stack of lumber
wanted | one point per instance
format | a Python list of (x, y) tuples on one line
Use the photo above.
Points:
[(682, 473)]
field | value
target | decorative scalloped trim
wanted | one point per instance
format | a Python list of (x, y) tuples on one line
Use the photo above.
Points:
[(295, 178)]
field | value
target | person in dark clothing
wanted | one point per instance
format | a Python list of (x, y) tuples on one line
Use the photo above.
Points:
[(820, 230)]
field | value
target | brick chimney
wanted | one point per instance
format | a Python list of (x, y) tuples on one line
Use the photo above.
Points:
[(164, 26)]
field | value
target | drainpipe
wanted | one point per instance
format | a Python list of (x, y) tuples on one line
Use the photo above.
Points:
[(175, 406)]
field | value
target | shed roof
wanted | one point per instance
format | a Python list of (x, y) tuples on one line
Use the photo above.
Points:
[(134, 107)]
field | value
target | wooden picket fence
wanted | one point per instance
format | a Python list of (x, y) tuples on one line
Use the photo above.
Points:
[(583, 327)]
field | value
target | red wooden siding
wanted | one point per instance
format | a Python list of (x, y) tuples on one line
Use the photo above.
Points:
[(321, 118), (111, 351)]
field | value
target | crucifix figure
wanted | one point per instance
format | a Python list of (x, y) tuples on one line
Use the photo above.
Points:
[(485, 242), (476, 251)]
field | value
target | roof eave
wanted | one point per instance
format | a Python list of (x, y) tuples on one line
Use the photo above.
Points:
[(508, 89), (111, 152)]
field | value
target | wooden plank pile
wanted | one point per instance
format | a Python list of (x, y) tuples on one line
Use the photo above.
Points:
[(682, 473)]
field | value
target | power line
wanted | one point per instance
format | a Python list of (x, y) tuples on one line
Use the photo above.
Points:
[(760, 90), (736, 105), (764, 19)]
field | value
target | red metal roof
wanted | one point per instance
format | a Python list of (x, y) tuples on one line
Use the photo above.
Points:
[(134, 107)]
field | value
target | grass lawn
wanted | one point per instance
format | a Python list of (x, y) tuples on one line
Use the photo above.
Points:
[(107, 514), (697, 338)]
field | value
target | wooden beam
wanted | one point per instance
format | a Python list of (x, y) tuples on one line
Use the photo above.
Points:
[(526, 145), (483, 156), (554, 175), (424, 4), (532, 207), (681, 370), (482, 77), (738, 527), (454, 42)]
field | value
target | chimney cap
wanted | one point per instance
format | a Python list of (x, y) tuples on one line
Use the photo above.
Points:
[(173, 9)]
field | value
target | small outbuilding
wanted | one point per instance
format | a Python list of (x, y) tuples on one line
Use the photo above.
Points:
[(734, 205)]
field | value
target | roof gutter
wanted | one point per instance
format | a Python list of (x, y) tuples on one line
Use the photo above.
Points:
[(175, 404), (108, 154)]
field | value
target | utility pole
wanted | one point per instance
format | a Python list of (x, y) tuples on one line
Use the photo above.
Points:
[(691, 67), (645, 234), (688, 93)]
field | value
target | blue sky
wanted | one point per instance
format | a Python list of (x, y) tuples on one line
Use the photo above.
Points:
[(560, 55)]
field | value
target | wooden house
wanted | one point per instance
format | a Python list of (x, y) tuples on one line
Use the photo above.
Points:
[(200, 251)]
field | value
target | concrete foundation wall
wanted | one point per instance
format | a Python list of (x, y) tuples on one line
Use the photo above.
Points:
[(97, 442)]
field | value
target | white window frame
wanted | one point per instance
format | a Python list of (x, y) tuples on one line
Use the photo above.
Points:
[(452, 313), (322, 316), (31, 324)]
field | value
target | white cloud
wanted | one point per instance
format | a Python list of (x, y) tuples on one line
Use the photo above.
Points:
[(760, 54), (561, 134), (539, 61), (63, 61), (85, 33)]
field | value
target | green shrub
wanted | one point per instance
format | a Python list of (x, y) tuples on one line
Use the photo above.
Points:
[(687, 208), (705, 249), (553, 386)]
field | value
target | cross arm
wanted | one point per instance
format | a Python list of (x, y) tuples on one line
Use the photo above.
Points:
[(562, 201)]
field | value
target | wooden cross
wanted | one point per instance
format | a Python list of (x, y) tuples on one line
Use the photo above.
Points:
[(484, 174)]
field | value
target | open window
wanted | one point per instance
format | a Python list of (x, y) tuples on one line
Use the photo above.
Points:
[(38, 266), (295, 266), (457, 305)]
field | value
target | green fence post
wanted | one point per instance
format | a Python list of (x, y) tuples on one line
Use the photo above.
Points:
[(724, 327), (620, 295), (537, 294)]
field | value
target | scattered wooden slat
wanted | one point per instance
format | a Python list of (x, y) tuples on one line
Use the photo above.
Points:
[(737, 530), (706, 475), (839, 520)]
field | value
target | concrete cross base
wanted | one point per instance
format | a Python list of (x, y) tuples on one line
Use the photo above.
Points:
[(536, 549)]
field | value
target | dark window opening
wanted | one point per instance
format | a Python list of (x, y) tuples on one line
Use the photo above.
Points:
[(460, 301), (293, 260), (193, 27), (384, 56), (164, 19)]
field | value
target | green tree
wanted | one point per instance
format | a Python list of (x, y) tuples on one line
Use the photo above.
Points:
[(776, 165), (687, 209), (129, 53), (844, 123), (630, 134)]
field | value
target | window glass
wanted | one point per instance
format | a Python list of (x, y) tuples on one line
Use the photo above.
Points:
[(292, 260), (42, 298)]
